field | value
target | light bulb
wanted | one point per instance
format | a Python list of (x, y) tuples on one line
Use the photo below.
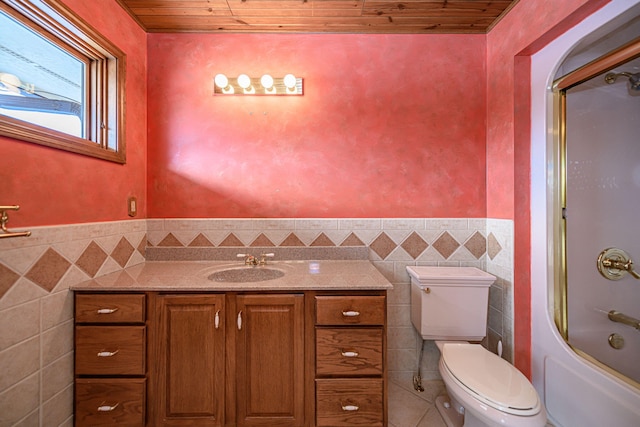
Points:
[(266, 81), (244, 81), (290, 81), (221, 81)]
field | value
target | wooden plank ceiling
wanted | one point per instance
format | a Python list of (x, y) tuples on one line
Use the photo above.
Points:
[(318, 16)]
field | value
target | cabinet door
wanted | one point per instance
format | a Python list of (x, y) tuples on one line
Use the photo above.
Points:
[(190, 364), (270, 360)]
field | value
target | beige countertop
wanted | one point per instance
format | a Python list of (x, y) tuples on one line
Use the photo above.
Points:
[(194, 276)]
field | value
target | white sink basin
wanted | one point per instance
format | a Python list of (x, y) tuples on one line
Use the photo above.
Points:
[(246, 274)]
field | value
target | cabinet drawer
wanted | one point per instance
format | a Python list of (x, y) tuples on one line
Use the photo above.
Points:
[(109, 308), (350, 402), (101, 402), (350, 310), (110, 350), (349, 351)]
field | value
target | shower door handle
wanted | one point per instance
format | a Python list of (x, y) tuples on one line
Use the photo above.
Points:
[(613, 263)]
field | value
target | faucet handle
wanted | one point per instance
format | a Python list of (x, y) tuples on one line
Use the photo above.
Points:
[(248, 259), (263, 258)]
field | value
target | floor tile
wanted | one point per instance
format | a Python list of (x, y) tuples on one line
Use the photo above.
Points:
[(407, 408)]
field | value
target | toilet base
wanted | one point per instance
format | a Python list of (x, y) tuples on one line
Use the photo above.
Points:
[(451, 417)]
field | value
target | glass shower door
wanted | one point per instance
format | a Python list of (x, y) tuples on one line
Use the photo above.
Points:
[(602, 212)]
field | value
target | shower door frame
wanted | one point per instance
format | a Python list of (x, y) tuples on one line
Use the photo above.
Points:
[(560, 87)]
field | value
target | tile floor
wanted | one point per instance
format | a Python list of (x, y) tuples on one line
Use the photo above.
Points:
[(408, 408)]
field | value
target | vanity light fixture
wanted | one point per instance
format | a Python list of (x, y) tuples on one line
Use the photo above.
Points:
[(265, 85)]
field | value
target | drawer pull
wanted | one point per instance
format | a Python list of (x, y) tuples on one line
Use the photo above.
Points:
[(350, 408), (107, 310), (107, 408), (239, 320), (350, 353), (107, 353), (216, 319), (351, 313)]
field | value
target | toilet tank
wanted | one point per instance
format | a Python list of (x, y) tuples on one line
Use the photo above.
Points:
[(450, 303)]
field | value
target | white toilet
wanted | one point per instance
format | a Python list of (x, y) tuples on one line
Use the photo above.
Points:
[(449, 305)]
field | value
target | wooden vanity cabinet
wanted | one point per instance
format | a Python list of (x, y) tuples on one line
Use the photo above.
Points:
[(110, 359), (228, 360), (269, 360), (350, 377), (188, 360), (234, 359)]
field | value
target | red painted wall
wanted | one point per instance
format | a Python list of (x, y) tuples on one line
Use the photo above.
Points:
[(509, 47), (389, 126), (529, 26), (57, 187)]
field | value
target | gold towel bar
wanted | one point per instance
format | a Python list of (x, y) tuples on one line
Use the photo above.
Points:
[(4, 218)]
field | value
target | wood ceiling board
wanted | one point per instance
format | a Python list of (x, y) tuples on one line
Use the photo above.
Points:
[(173, 12), (426, 8), (314, 16)]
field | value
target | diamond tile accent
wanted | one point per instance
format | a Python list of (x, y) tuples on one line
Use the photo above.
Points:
[(7, 278), (476, 244), (91, 259), (322, 240), (414, 245), (446, 245), (142, 247), (49, 269), (352, 240), (262, 240), (383, 245), (170, 240), (122, 252), (200, 240), (292, 240), (493, 247), (231, 240)]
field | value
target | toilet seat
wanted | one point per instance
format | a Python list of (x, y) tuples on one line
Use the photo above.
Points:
[(490, 379)]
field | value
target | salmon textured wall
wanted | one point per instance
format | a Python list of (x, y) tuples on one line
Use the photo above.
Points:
[(509, 48), (545, 20), (57, 187), (388, 126)]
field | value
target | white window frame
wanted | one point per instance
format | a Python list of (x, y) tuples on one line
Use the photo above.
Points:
[(105, 82)]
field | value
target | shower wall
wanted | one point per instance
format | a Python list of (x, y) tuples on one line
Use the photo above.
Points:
[(603, 184)]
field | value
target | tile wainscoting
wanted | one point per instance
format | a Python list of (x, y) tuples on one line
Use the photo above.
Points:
[(36, 272), (36, 312)]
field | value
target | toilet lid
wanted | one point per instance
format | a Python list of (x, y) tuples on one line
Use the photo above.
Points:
[(490, 378)]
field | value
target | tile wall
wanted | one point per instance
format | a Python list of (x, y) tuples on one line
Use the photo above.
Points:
[(36, 312), (499, 258), (36, 307)]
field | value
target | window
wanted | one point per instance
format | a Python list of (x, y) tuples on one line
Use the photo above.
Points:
[(61, 83)]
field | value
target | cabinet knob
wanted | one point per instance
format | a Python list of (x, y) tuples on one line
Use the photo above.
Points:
[(351, 313), (107, 310), (107, 408), (107, 353), (349, 353)]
